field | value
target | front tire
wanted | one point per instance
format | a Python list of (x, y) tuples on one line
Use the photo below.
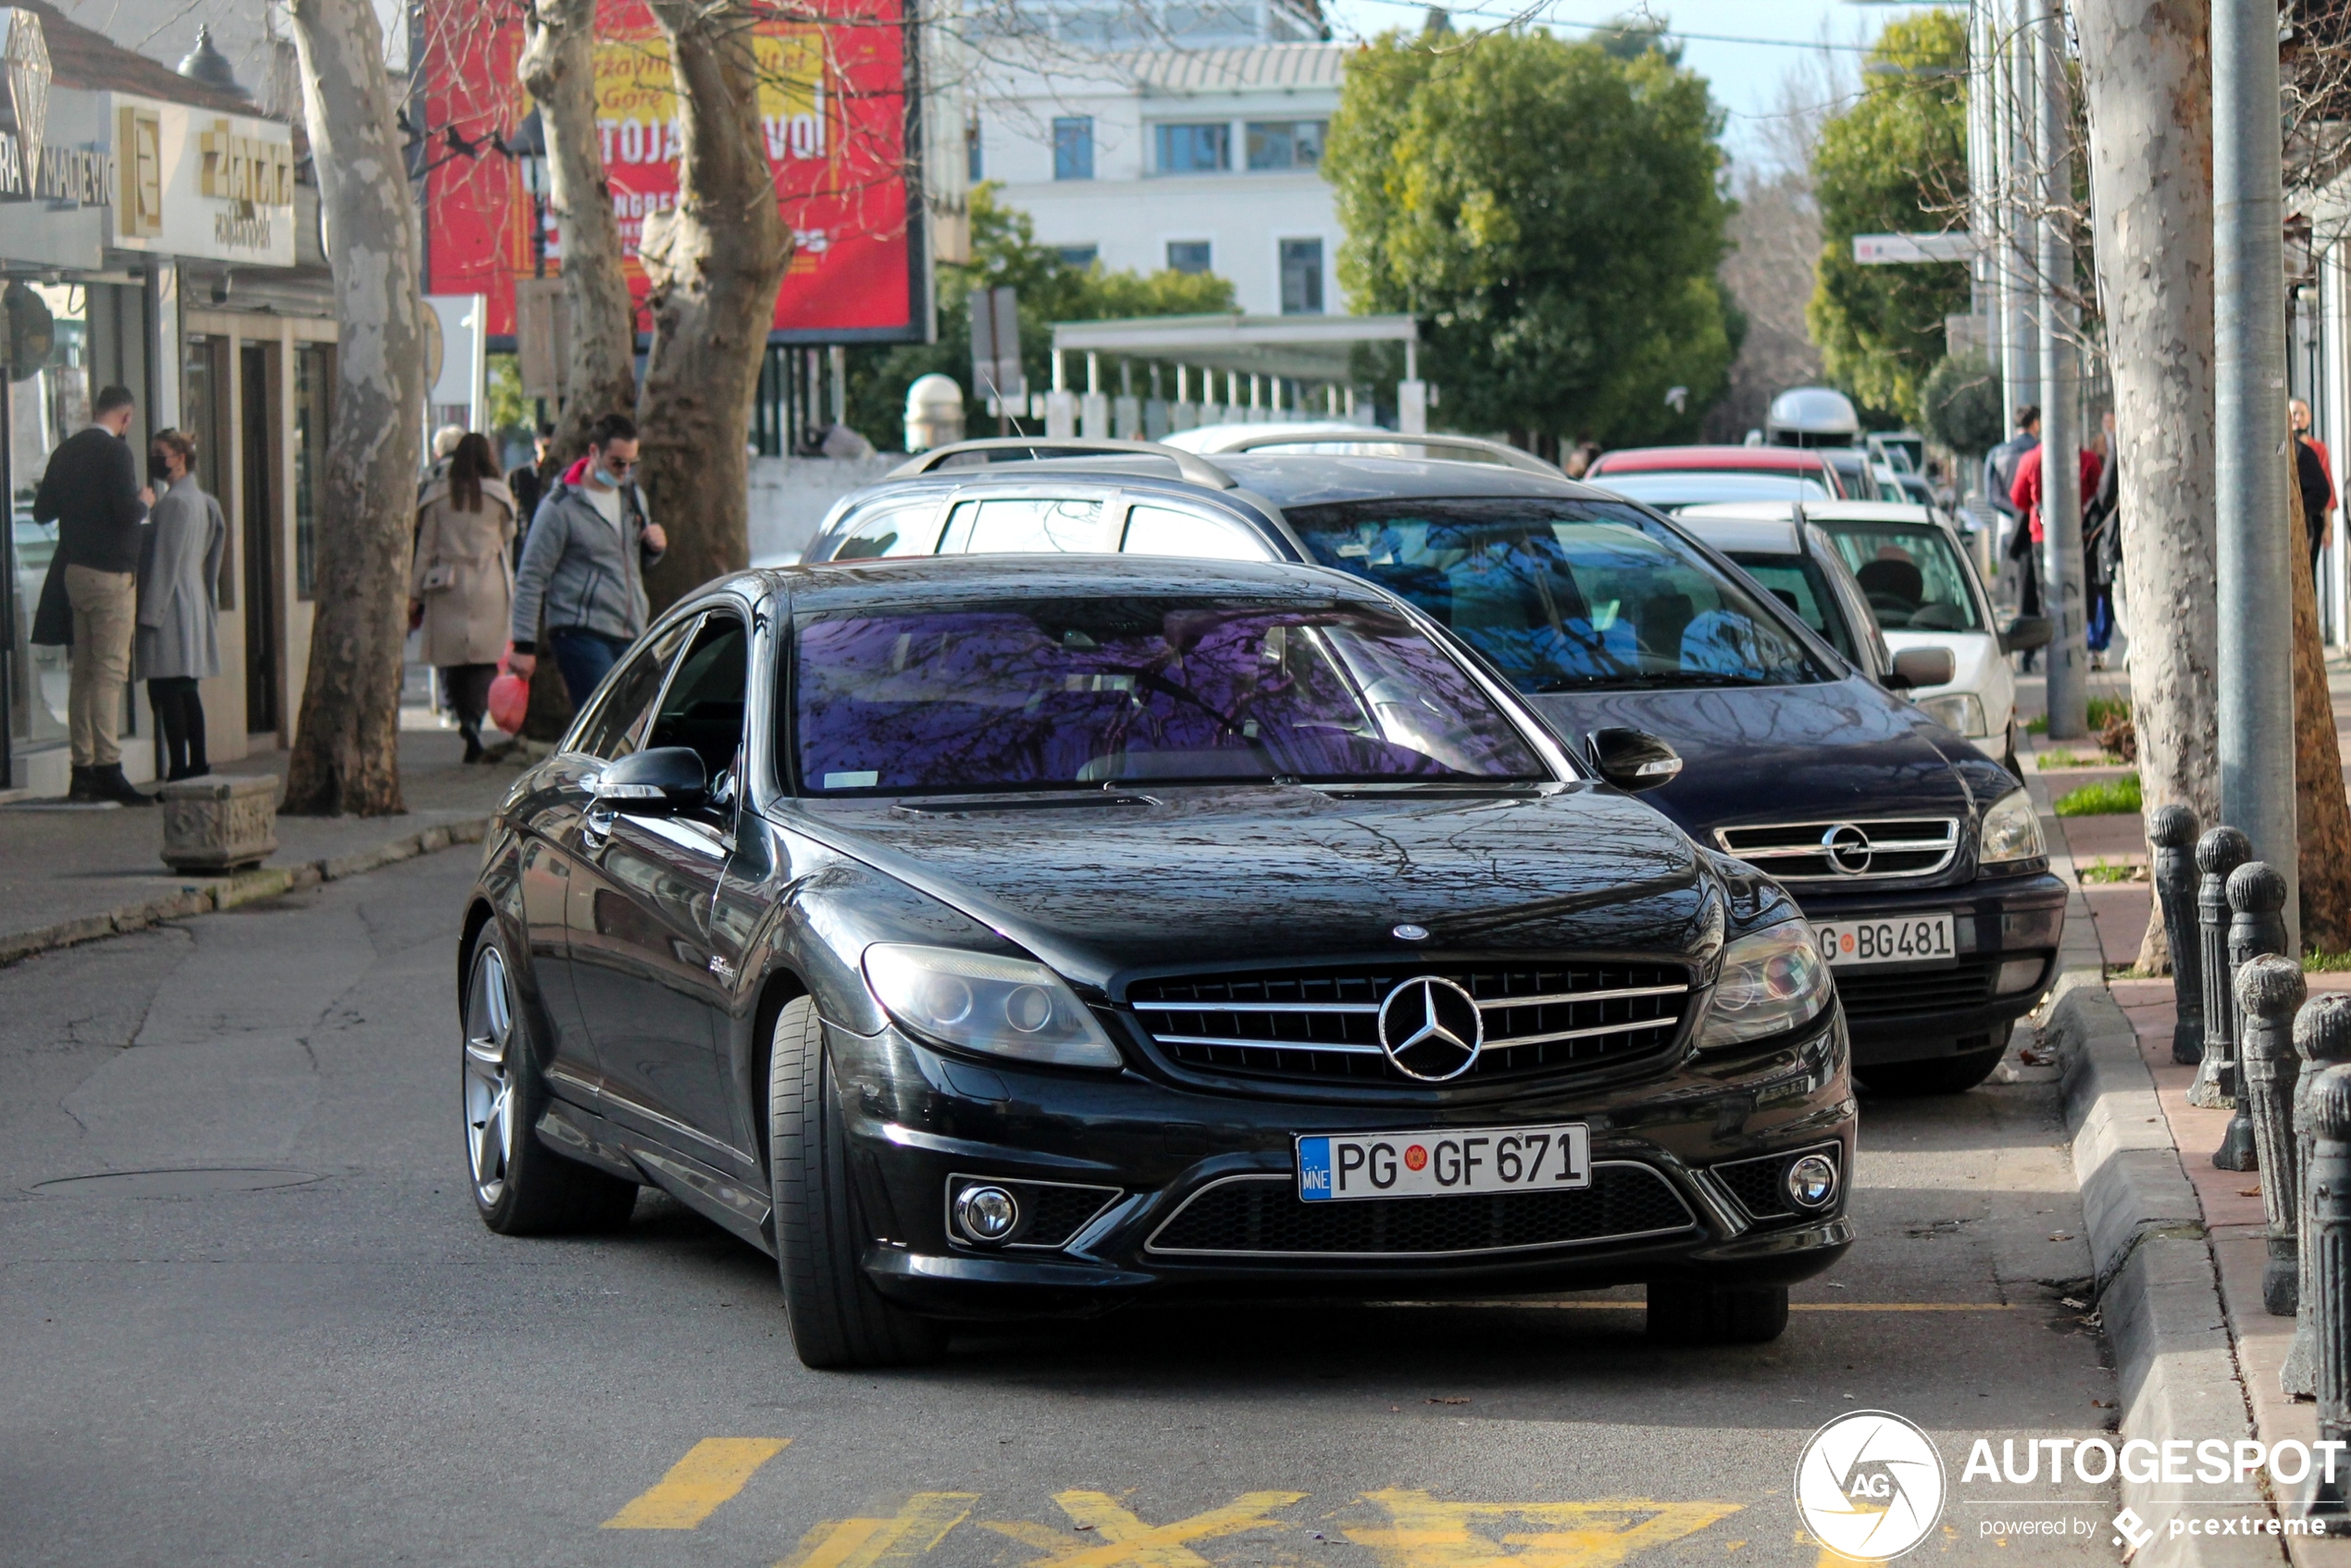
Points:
[(1685, 1313), (1943, 1074), (520, 1186), (838, 1319)]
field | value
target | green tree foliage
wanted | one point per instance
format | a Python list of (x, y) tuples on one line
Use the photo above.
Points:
[(1961, 405), (1896, 162), (1005, 251), (1553, 213)]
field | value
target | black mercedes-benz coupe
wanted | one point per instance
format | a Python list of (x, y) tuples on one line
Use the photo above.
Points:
[(1007, 936)]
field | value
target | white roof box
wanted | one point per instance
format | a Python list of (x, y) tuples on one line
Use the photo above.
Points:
[(1813, 416)]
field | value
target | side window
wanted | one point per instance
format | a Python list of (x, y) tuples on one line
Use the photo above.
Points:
[(704, 708), (1023, 525), (891, 528), (617, 726), (1164, 530)]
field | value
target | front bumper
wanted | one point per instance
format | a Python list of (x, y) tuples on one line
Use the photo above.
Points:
[(1902, 1013), (1158, 1185)]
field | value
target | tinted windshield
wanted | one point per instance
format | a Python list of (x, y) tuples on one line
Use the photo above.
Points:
[(1054, 692), (1563, 595), (1798, 582), (1669, 492), (1914, 578)]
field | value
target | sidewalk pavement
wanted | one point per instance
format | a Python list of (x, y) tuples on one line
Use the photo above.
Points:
[(72, 875), (2178, 1244)]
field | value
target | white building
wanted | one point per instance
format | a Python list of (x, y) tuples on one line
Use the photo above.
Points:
[(1198, 150)]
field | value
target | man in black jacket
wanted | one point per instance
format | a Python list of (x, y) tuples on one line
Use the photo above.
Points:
[(91, 490)]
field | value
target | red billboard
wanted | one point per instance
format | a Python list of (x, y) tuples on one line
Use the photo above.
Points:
[(833, 111)]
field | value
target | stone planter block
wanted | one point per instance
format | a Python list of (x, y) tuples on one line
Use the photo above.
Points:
[(220, 823)]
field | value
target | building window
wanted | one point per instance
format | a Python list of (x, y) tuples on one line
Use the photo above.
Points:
[(1074, 147), (1187, 255), (1285, 144), (971, 152), (314, 383), (1195, 149), (1301, 277), (1077, 258)]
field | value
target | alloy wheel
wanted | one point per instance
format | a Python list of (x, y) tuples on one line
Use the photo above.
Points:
[(490, 1077)]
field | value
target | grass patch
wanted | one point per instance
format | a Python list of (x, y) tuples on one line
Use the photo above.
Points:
[(2077, 759), (2110, 798), (2316, 963), (2103, 710), (2104, 871)]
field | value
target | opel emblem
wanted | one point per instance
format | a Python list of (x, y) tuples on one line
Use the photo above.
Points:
[(1431, 1028), (1847, 847)]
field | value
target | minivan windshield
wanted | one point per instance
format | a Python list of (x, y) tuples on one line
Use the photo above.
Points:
[(1912, 574), (1063, 692), (1564, 595)]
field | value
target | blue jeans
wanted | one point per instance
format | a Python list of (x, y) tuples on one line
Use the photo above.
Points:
[(584, 657), (2101, 623)]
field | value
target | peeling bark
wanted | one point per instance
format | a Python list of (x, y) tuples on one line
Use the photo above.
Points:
[(715, 262), (558, 69), (2322, 815), (2147, 72), (346, 753)]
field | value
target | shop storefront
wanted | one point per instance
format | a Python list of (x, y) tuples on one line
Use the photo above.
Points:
[(158, 237)]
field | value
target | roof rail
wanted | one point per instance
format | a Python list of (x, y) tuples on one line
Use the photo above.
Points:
[(1510, 455), (1191, 466)]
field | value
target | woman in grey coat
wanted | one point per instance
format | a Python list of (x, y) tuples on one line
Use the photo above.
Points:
[(179, 639)]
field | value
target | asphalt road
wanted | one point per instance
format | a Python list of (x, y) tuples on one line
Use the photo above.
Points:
[(315, 1352)]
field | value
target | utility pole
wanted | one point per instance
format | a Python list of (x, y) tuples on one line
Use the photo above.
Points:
[(2020, 347), (2255, 556), (2062, 596)]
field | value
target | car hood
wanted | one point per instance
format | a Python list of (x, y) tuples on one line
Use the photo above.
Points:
[(1203, 877), (1781, 753)]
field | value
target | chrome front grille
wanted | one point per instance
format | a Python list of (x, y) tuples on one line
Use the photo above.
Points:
[(1846, 851), (1323, 1024)]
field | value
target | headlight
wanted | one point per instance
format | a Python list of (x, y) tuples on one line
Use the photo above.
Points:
[(2010, 831), (1004, 1006), (1961, 712), (1773, 981)]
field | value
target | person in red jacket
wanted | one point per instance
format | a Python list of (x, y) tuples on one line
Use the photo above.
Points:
[(2024, 494)]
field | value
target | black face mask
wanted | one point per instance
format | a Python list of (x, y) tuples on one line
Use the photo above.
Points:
[(158, 471)]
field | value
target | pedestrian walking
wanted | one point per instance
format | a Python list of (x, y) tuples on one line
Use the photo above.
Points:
[(583, 566), (462, 584), (2000, 465), (179, 638), (2314, 475), (523, 478), (91, 490), (2025, 496), (2102, 548)]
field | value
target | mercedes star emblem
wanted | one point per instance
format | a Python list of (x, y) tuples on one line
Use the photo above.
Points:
[(1431, 1028), (1847, 847)]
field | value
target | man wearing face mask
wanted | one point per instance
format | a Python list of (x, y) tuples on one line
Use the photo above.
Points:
[(582, 574)]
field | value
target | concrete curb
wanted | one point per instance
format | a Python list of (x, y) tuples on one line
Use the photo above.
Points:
[(229, 892), (2157, 1290)]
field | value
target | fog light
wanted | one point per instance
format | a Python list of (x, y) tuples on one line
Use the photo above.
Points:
[(986, 1213), (1811, 1182), (2020, 973)]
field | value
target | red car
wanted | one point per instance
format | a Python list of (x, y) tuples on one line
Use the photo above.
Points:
[(1764, 461)]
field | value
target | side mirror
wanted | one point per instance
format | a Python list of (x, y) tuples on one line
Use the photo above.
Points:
[(2026, 633), (1921, 667), (1632, 759), (660, 782)]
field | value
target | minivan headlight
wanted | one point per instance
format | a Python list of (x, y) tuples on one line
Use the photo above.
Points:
[(1773, 981), (2010, 831), (1004, 1006)]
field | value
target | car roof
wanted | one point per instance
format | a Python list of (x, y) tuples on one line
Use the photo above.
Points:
[(1755, 535), (1286, 478), (1815, 512), (916, 579), (1653, 459), (1209, 439)]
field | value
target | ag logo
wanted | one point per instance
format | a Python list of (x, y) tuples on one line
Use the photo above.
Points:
[(1870, 1485)]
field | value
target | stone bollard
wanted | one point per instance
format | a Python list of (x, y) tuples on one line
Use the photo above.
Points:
[(219, 822), (2172, 830), (2219, 853), (2322, 1036), (2257, 897), (2331, 1274), (2269, 990)]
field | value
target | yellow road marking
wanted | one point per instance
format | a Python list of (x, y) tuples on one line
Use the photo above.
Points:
[(1426, 1533), (884, 1543), (1125, 1540), (712, 1470), (1792, 1306)]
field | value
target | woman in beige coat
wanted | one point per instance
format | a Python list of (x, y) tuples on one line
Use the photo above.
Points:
[(462, 587)]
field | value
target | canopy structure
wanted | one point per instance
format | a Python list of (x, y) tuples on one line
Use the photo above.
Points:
[(1301, 348)]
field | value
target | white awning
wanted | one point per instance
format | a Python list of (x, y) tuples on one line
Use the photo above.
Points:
[(1304, 348)]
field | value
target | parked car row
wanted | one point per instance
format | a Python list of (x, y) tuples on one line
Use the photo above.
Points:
[(1106, 868)]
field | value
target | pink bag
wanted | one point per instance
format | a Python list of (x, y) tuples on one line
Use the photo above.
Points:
[(509, 697)]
